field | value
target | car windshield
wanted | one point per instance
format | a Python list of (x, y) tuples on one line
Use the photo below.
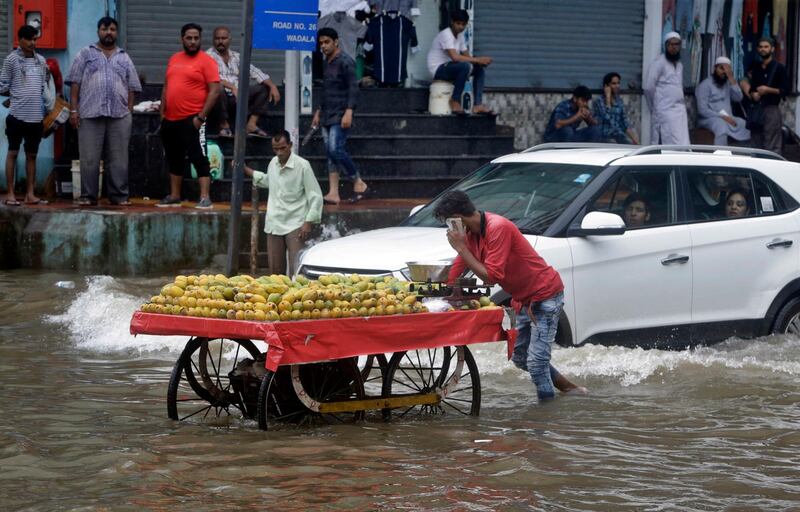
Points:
[(530, 194)]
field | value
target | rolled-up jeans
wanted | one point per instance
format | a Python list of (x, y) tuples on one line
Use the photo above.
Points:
[(458, 73), (534, 341), (335, 138)]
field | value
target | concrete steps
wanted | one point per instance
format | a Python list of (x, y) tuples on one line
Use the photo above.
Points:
[(400, 150)]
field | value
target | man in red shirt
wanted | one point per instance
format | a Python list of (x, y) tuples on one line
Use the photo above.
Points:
[(497, 253), (191, 89)]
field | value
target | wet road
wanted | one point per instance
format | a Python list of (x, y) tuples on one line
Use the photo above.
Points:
[(84, 427)]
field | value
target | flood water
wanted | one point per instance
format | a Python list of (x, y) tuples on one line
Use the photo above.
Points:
[(84, 427)]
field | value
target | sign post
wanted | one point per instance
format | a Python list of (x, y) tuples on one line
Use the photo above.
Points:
[(239, 143), (279, 25)]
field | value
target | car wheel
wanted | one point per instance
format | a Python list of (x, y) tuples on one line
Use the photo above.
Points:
[(788, 319)]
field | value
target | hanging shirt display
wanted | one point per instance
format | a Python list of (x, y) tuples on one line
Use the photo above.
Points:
[(349, 6), (407, 8), (348, 28), (390, 35)]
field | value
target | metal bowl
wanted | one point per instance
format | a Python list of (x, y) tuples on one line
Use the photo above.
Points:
[(434, 271)]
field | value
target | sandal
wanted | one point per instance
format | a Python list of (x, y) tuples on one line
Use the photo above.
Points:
[(226, 132), (85, 201), (11, 202), (258, 132), (38, 201)]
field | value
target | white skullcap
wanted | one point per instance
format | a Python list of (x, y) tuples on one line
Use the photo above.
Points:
[(722, 60), (672, 35)]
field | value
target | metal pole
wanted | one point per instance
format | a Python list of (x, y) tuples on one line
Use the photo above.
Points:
[(291, 120), (232, 262)]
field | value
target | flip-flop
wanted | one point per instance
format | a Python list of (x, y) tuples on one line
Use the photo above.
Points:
[(226, 132), (328, 201), (258, 132), (358, 196), (38, 201), (9, 202)]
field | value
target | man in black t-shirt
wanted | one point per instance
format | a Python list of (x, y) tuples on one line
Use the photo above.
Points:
[(766, 81)]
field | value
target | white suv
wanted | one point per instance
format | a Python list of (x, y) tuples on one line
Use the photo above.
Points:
[(690, 273)]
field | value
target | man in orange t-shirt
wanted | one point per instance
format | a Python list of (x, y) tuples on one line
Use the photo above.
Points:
[(191, 88)]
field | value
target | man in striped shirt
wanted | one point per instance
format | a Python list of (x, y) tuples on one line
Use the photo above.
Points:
[(102, 83), (23, 77)]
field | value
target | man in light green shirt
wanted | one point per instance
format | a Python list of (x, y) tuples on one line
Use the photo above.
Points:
[(295, 203)]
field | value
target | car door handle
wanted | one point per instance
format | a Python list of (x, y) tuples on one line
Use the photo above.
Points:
[(674, 258), (779, 243)]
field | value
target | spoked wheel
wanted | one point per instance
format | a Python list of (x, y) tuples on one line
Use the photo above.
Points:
[(299, 394), (449, 371), (200, 386)]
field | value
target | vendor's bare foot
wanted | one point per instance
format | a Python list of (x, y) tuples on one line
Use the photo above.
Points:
[(455, 106), (32, 199), (331, 199), (577, 390), (481, 109)]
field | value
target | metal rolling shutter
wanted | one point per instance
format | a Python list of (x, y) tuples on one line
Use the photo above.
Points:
[(5, 33), (542, 43), (152, 32)]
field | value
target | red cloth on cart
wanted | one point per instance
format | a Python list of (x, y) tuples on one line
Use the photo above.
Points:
[(307, 341)]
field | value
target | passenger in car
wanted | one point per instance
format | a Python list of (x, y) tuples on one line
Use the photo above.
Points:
[(497, 252), (738, 203), (635, 210)]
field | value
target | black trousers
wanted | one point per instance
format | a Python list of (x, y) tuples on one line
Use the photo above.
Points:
[(257, 103)]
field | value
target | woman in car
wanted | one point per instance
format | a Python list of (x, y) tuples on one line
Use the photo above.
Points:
[(636, 211), (737, 203)]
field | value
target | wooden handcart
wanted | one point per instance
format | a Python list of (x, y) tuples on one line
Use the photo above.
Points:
[(327, 371)]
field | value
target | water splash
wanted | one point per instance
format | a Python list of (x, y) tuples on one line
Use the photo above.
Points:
[(631, 366), (99, 319)]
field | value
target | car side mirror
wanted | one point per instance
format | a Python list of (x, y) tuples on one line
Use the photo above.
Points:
[(416, 209), (599, 224)]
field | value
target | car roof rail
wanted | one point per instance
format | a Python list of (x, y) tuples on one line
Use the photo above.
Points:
[(701, 148), (576, 145)]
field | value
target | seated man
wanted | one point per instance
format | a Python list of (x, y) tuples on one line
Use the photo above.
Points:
[(714, 96), (449, 60), (635, 210), (260, 96), (568, 116)]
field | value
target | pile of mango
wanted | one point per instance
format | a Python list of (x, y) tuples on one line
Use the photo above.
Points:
[(279, 298)]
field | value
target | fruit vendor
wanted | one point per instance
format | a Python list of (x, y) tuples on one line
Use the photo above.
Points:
[(497, 253), (295, 203)]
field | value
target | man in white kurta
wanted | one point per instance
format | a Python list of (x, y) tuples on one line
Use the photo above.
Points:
[(663, 89), (714, 95)]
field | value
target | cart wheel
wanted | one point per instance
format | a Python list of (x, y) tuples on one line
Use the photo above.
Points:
[(200, 384), (292, 394), (450, 371)]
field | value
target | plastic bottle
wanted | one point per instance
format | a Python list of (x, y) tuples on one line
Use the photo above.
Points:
[(69, 285)]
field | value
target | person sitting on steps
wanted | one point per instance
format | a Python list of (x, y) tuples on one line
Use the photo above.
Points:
[(449, 60)]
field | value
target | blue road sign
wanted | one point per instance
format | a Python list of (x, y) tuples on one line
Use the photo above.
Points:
[(282, 25)]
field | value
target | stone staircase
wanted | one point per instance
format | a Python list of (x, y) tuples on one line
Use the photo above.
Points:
[(400, 149)]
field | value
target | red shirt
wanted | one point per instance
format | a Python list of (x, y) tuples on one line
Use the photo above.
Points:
[(511, 262), (188, 77)]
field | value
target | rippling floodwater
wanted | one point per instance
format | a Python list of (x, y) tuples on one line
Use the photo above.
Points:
[(84, 427)]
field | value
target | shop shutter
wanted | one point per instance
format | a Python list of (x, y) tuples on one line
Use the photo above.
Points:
[(547, 44), (152, 32)]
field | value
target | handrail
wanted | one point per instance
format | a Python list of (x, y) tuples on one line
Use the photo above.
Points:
[(655, 148)]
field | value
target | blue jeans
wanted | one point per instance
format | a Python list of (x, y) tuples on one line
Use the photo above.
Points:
[(532, 349), (570, 134), (458, 73), (335, 138)]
